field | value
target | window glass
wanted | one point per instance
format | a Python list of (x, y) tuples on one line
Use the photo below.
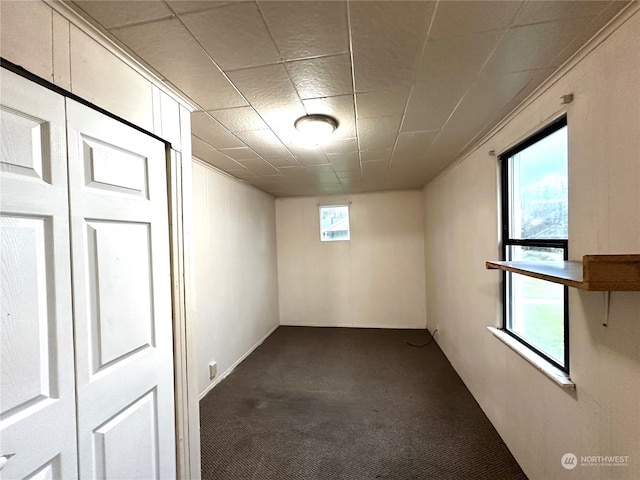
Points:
[(539, 194), (334, 223), (536, 307), (535, 216)]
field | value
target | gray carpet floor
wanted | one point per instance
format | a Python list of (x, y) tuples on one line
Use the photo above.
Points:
[(339, 403)]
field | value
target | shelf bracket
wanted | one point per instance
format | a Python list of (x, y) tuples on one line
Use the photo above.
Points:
[(607, 298)]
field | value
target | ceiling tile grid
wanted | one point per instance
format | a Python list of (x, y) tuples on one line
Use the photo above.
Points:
[(412, 84)]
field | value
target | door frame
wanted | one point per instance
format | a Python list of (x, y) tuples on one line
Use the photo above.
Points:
[(179, 189)]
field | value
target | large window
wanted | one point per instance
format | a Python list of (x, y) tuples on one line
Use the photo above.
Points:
[(334, 223), (535, 228)]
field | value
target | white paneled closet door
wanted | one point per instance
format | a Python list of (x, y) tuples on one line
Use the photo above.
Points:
[(86, 323), (122, 298), (37, 393)]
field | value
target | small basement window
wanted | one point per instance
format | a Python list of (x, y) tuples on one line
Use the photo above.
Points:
[(334, 223)]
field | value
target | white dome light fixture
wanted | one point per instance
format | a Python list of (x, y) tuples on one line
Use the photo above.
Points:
[(316, 128)]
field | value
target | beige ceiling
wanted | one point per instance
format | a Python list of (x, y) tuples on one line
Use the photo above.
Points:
[(412, 84)]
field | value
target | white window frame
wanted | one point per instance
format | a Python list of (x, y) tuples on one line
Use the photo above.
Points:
[(347, 205)]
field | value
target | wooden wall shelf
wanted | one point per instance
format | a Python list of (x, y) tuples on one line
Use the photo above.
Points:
[(601, 273)]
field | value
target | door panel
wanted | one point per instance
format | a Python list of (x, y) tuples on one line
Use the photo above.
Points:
[(135, 424), (122, 298), (37, 399), (119, 262)]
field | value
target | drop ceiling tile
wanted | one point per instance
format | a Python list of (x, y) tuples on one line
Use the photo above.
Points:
[(205, 127), (387, 39), (449, 145), (534, 46), (260, 167), (429, 107), (311, 157), (322, 77), (350, 174), (266, 143), (330, 189), (239, 119), (352, 185), (295, 172), (491, 93), (411, 176), (416, 176), (324, 176), (235, 35), (264, 183), (243, 153), (372, 141), (278, 162), (341, 145), (242, 173), (452, 63), (112, 14), (207, 153), (187, 6), (373, 155), (345, 162), (463, 18), (376, 168), (271, 93), (169, 49), (412, 147), (448, 69), (341, 108), (321, 169), (307, 29), (547, 11), (382, 103), (378, 125), (588, 31), (282, 126)]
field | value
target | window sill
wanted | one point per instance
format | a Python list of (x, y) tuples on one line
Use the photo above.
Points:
[(551, 371)]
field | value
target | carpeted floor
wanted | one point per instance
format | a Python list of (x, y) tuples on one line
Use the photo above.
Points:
[(338, 403)]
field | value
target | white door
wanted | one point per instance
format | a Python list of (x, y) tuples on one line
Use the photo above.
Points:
[(122, 299), (37, 395)]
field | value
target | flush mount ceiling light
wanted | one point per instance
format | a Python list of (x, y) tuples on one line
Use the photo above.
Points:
[(316, 128)]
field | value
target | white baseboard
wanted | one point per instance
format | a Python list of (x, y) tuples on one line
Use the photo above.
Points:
[(228, 371), (353, 325)]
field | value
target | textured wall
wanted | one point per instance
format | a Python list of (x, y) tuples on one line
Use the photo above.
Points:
[(538, 420), (236, 283), (374, 280)]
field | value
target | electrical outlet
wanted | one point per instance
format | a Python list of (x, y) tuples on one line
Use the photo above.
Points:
[(213, 370)]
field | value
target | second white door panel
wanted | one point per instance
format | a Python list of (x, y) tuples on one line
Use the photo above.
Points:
[(123, 323)]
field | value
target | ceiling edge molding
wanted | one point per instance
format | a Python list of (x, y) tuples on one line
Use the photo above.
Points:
[(103, 38)]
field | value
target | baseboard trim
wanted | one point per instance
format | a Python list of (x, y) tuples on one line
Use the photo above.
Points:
[(350, 325), (229, 370)]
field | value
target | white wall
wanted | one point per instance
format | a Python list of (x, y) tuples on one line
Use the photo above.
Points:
[(63, 53), (236, 282), (538, 420), (374, 280)]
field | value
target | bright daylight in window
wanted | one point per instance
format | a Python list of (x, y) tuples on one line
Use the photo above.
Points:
[(334, 223), (535, 228)]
